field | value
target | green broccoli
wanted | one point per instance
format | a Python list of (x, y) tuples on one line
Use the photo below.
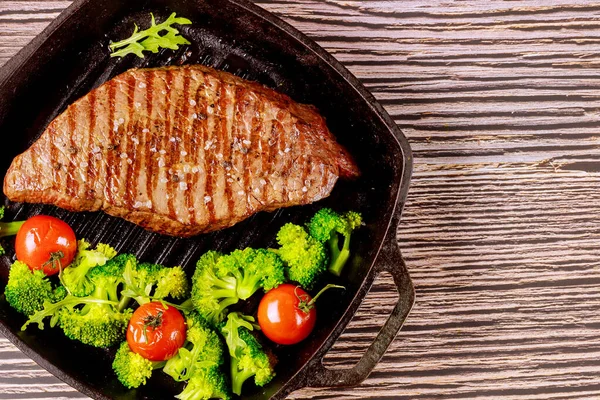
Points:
[(132, 369), (98, 319), (305, 257), (101, 324), (53, 310), (253, 269), (213, 289), (8, 228), (145, 282), (328, 226), (221, 280), (74, 277), (250, 360), (172, 282), (200, 362), (207, 383), (27, 291), (108, 279), (98, 325), (203, 348), (92, 306)]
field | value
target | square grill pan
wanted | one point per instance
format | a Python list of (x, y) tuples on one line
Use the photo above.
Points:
[(71, 56)]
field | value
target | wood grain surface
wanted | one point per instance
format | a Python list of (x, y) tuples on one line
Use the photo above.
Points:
[(501, 232)]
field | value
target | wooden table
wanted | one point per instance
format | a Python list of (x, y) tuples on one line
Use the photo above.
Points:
[(501, 232)]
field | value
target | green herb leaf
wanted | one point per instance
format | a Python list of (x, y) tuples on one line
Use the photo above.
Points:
[(152, 39)]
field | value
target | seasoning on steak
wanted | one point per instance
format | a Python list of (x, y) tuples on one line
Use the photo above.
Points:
[(181, 151)]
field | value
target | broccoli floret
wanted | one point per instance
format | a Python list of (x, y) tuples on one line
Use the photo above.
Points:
[(98, 319), (213, 289), (117, 265), (199, 362), (172, 282), (328, 226), (97, 325), (253, 269), (8, 228), (207, 383), (101, 324), (132, 369), (93, 321), (145, 282), (27, 291), (108, 279), (74, 277), (202, 349), (221, 280), (250, 360), (53, 310), (305, 257)]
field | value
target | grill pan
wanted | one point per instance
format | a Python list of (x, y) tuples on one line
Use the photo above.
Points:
[(71, 56)]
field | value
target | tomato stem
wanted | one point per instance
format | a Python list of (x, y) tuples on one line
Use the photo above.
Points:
[(152, 321), (54, 260), (306, 306)]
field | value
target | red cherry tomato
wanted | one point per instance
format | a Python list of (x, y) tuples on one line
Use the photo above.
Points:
[(284, 315), (155, 331), (47, 243)]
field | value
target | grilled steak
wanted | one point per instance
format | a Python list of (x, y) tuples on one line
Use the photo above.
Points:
[(180, 151)]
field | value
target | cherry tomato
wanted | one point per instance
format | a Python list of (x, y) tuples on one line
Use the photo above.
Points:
[(156, 331), (284, 314), (47, 243)]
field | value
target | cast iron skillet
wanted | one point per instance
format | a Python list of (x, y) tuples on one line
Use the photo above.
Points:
[(71, 57)]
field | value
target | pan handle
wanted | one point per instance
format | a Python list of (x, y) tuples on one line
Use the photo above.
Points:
[(390, 260)]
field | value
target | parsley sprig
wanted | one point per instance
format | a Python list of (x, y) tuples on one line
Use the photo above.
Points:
[(152, 39)]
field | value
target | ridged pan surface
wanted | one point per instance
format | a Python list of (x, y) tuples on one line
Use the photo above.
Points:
[(71, 57)]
